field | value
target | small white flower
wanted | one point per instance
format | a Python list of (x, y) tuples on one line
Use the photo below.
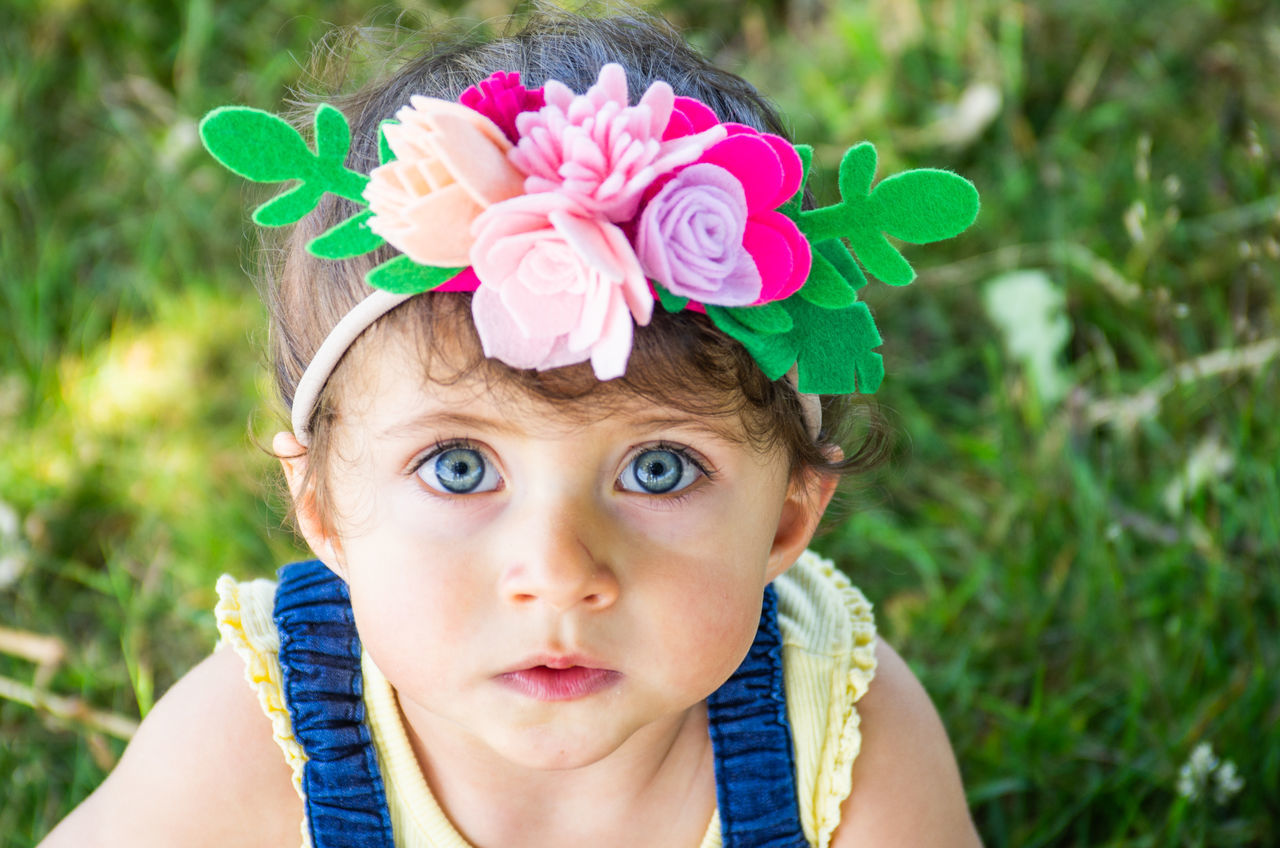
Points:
[(9, 532), (1226, 782), (1135, 217), (1195, 772), (13, 548), (1203, 768)]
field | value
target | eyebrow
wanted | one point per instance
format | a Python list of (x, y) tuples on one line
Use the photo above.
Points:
[(450, 419), (445, 419), (695, 423)]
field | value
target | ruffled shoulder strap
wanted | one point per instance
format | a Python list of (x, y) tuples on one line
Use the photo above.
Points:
[(243, 616), (829, 637)]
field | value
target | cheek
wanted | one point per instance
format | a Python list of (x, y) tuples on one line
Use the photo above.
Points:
[(410, 616), (739, 528), (706, 622)]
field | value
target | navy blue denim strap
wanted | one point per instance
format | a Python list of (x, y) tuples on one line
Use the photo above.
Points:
[(320, 660), (751, 737)]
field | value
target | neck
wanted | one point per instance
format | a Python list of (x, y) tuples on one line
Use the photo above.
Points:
[(657, 788)]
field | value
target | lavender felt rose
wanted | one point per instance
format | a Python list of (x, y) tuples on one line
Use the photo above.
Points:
[(690, 238)]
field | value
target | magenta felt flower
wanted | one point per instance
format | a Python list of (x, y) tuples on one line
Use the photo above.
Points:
[(770, 172), (500, 98), (690, 235), (689, 116), (557, 286), (599, 151)]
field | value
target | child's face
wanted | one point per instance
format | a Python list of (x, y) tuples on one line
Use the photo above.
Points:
[(545, 588)]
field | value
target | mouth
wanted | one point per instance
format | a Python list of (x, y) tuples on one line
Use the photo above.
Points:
[(558, 680)]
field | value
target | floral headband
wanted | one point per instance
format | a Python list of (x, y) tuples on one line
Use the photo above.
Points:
[(569, 215)]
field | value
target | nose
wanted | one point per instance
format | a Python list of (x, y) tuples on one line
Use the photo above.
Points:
[(552, 561)]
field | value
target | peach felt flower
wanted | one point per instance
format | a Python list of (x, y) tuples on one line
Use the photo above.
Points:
[(558, 286), (599, 151), (451, 164)]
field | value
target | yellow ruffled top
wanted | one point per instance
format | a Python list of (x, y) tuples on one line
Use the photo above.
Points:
[(828, 635)]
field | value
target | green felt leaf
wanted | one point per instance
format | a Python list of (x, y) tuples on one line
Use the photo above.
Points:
[(288, 207), (827, 285), (924, 205), (350, 238), (404, 276), (257, 145), (385, 153), (265, 148), (723, 318), (835, 348), (882, 259), (916, 206), (670, 302), (792, 207), (774, 353), (857, 170), (765, 319), (333, 135), (837, 253)]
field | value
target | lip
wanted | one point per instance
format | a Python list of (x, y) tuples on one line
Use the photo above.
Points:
[(559, 678)]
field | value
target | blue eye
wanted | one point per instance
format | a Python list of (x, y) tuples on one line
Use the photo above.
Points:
[(658, 471), (459, 471)]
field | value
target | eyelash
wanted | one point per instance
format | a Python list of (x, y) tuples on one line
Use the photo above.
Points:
[(684, 452), (440, 446), (688, 455)]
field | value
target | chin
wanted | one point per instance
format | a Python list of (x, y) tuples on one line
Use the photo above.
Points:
[(561, 751)]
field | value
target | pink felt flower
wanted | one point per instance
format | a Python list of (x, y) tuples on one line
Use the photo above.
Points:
[(597, 150), (689, 116), (500, 98), (558, 286), (690, 234), (451, 163), (770, 172)]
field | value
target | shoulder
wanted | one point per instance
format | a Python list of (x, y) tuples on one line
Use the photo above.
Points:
[(906, 786), (203, 769)]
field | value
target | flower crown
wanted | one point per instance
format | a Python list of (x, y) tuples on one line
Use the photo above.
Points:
[(569, 215)]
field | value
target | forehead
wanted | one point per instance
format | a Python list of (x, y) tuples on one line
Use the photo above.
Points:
[(395, 380)]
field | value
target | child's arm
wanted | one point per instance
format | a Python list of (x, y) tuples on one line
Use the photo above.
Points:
[(906, 786), (203, 769)]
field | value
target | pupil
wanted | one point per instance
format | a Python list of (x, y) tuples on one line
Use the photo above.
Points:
[(658, 471), (459, 470)]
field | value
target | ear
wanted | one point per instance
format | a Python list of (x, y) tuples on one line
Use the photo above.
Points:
[(293, 459), (807, 497)]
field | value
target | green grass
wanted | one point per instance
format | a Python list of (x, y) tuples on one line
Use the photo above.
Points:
[(1086, 583)]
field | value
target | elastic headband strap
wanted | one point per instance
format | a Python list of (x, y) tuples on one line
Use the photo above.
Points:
[(341, 337), (810, 405), (379, 303)]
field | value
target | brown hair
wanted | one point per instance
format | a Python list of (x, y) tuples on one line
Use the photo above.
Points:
[(679, 360)]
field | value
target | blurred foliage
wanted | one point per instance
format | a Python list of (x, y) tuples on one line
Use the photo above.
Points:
[(1084, 579)]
